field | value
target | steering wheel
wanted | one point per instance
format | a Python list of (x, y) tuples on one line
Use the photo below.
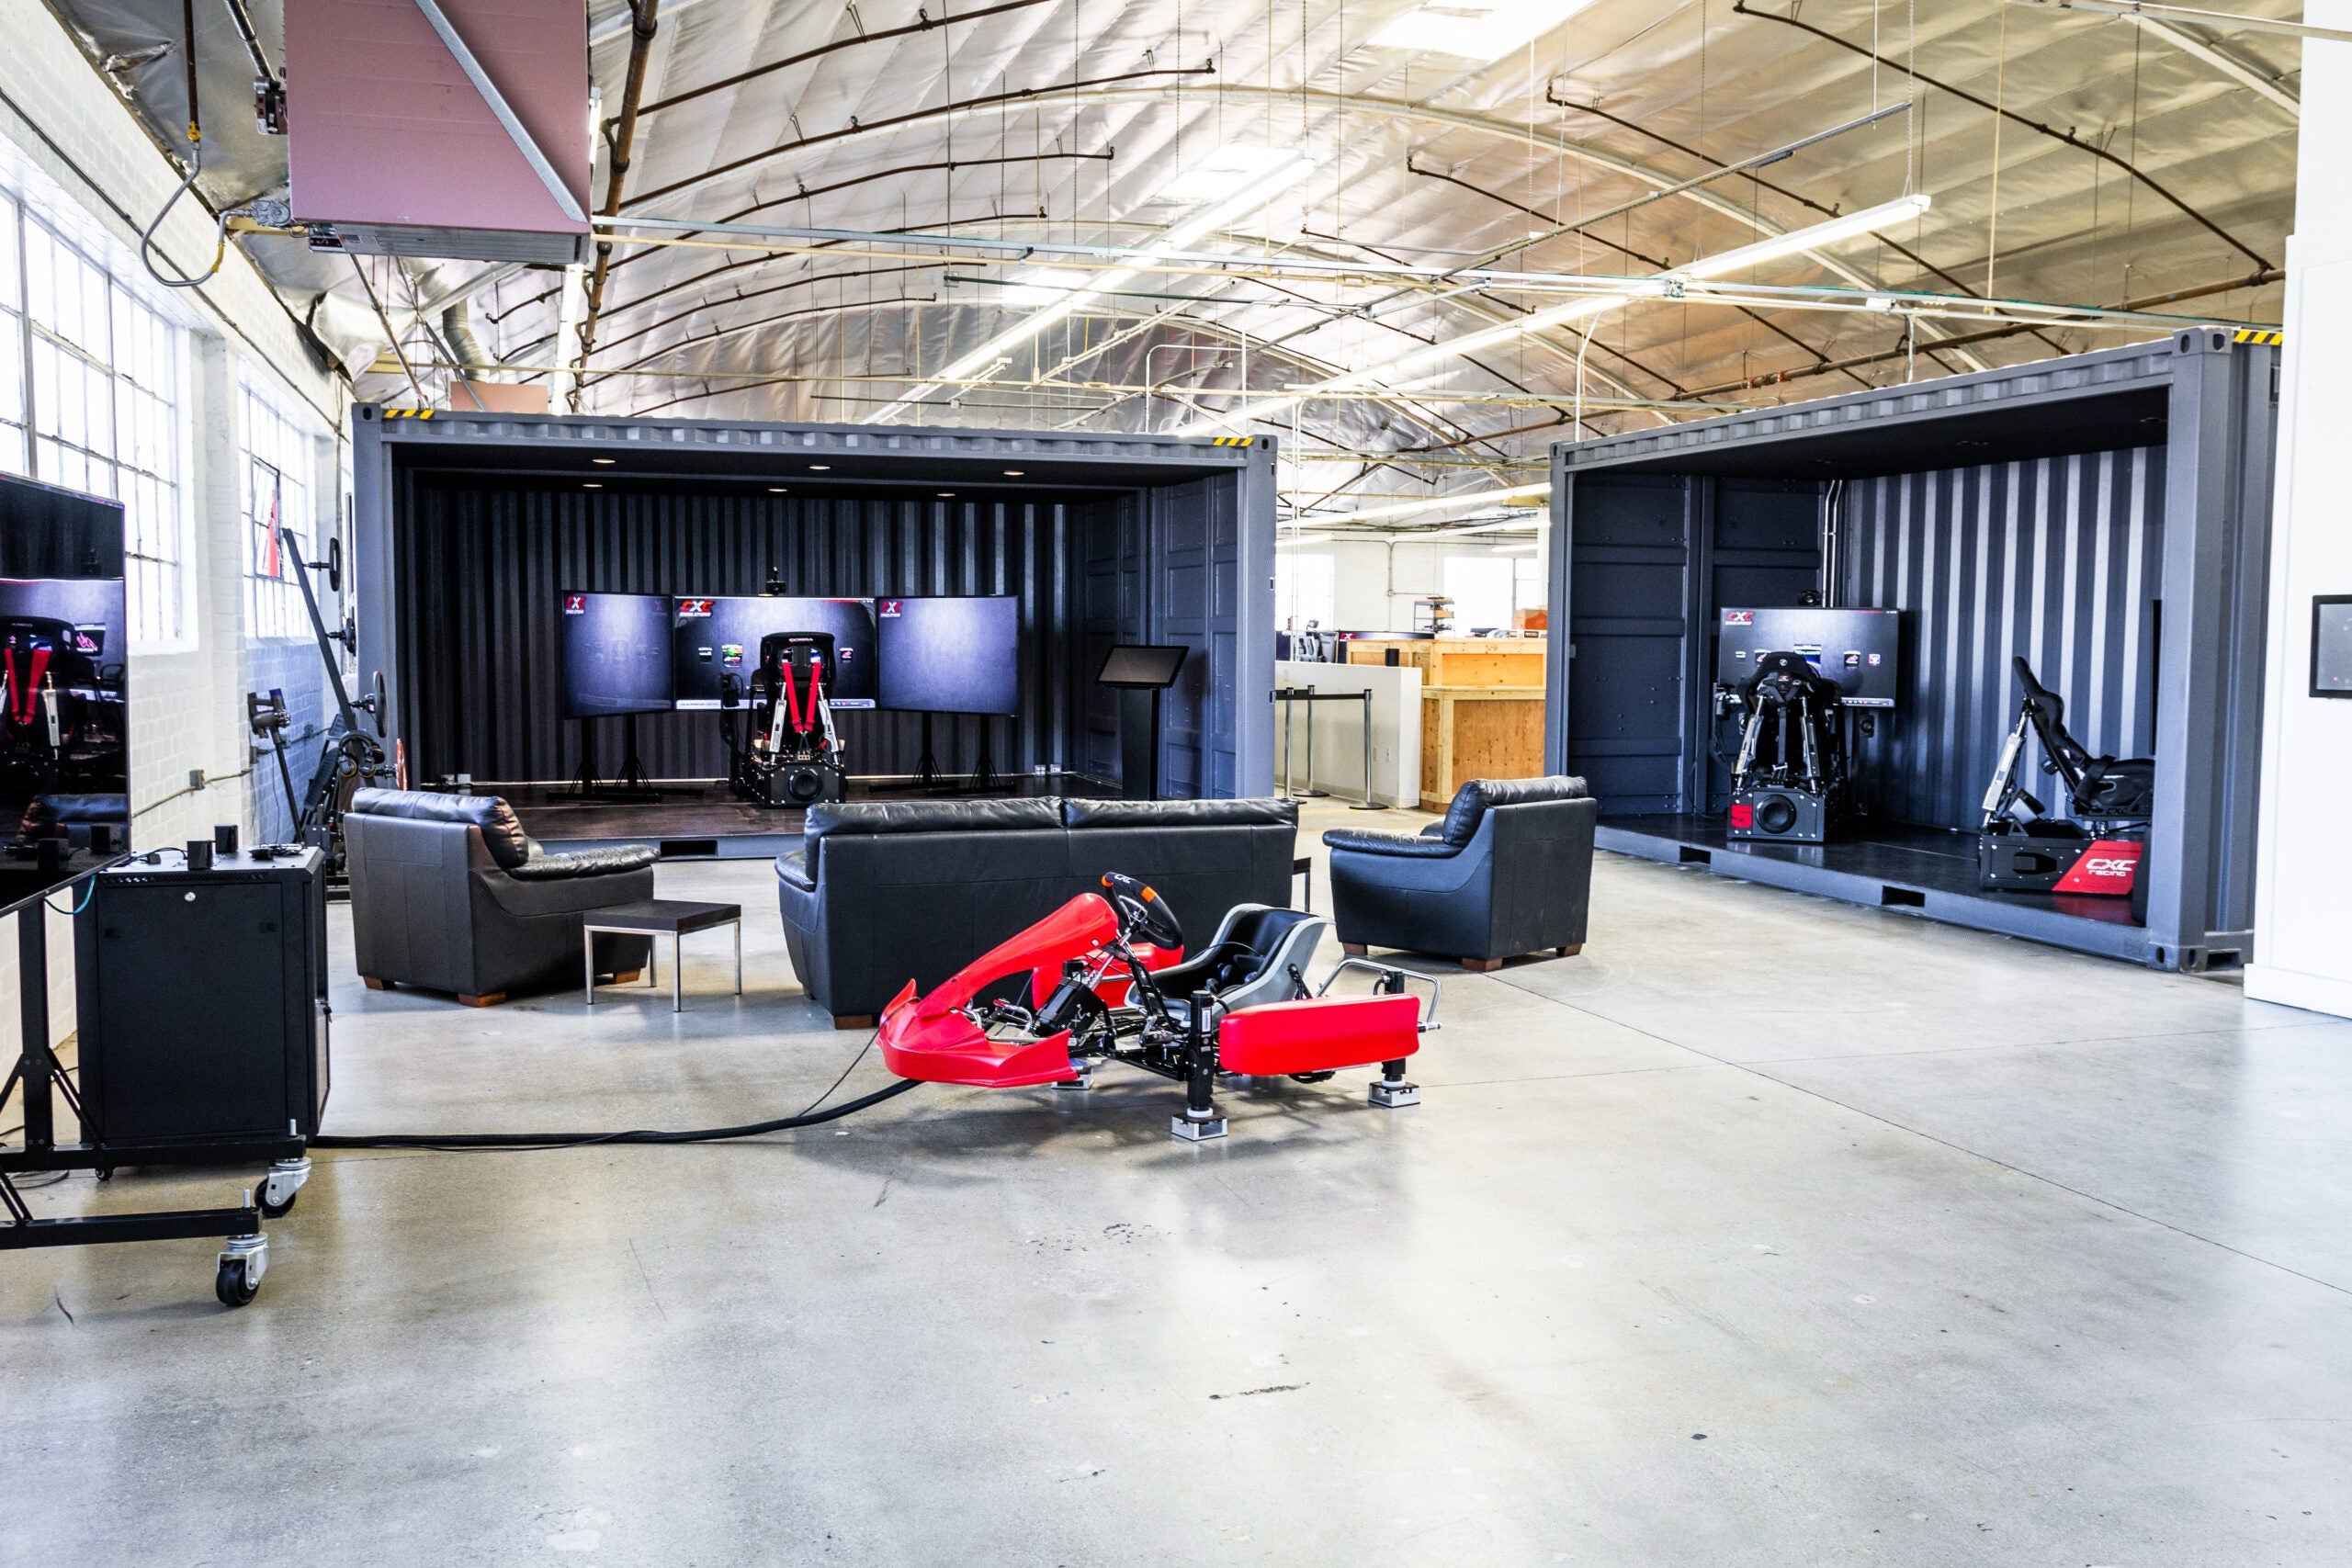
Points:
[(1144, 915)]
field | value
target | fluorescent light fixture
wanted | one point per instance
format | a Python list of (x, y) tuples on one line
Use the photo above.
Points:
[(1219, 173), (1245, 193), (1041, 285), (1475, 29), (1404, 371)]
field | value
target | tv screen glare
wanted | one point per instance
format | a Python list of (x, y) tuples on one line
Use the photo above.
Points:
[(715, 638), (615, 654), (1856, 648), (1143, 666), (64, 696), (950, 655)]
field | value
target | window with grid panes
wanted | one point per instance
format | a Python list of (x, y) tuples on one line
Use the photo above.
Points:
[(91, 396), (280, 451)]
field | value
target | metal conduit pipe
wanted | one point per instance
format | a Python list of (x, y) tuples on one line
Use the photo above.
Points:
[(640, 48)]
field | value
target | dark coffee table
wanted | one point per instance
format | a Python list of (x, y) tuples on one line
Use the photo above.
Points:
[(673, 918)]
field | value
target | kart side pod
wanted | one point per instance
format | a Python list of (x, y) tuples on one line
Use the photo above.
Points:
[(1319, 1035)]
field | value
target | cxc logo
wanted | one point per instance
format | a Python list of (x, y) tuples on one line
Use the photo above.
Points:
[(2104, 867)]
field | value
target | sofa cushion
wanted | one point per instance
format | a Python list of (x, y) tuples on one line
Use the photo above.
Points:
[(1471, 801), (1421, 844), (543, 867), (1084, 814), (509, 845)]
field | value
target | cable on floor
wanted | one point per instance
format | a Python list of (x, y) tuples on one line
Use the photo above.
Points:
[(455, 1143)]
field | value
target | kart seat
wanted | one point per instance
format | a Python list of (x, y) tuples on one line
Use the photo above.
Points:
[(1259, 955)]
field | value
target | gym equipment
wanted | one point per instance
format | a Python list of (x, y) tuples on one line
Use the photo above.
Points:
[(1789, 781), (1243, 1005), (352, 759), (2021, 848), (793, 756)]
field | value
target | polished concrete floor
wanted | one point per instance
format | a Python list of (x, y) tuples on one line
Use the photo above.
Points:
[(1769, 1231)]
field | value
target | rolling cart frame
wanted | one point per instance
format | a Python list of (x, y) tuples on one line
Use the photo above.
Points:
[(38, 1072)]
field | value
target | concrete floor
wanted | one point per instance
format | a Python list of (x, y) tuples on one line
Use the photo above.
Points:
[(1769, 1231)]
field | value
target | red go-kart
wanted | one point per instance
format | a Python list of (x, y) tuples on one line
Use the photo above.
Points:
[(1118, 991)]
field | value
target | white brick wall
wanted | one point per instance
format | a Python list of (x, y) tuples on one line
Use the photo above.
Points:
[(63, 129)]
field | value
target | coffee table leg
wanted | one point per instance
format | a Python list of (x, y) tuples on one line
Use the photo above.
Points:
[(677, 977), (739, 958), (588, 941)]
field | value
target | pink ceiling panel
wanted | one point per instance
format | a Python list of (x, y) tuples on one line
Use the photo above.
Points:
[(383, 125)]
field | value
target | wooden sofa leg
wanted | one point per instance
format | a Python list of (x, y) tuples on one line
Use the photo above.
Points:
[(373, 984), (491, 1001), (853, 1020), (627, 977), (1482, 965), (1570, 951), (1353, 949)]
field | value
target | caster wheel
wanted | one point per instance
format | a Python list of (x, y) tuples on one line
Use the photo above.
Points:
[(1313, 1077), (273, 1210), (231, 1285), (106, 1173)]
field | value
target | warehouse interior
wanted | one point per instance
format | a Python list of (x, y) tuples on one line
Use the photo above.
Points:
[(1048, 781)]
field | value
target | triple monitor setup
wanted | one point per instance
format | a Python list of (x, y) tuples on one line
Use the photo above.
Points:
[(1802, 681), (775, 670), (776, 667)]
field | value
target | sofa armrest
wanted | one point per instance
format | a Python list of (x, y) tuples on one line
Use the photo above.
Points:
[(1434, 829), (1411, 845), (792, 867), (586, 862)]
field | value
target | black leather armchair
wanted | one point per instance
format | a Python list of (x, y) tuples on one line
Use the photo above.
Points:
[(1509, 871), (450, 894)]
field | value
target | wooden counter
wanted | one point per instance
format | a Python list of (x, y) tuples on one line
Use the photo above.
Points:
[(1459, 661), (1478, 732)]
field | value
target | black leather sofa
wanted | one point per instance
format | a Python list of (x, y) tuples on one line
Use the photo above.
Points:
[(883, 892), (1509, 871), (450, 894)]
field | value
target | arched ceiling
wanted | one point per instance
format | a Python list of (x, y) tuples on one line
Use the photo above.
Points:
[(2070, 158)]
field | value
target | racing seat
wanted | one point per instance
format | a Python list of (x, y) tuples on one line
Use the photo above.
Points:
[(2098, 789), (1259, 955)]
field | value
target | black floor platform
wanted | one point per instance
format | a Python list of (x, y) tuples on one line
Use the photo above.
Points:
[(1929, 871), (699, 818)]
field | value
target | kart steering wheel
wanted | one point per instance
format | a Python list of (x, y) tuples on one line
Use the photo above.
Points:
[(1144, 915)]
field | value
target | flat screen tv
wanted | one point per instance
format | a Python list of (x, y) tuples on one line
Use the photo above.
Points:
[(950, 655), (615, 654), (1856, 649), (64, 696), (715, 638)]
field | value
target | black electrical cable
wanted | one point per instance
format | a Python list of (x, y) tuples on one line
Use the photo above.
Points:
[(458, 1142)]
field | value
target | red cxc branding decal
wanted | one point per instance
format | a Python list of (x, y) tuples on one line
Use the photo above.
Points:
[(2109, 866)]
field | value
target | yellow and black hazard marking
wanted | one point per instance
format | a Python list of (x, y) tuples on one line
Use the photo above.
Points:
[(1230, 440), (408, 413), (2254, 334)]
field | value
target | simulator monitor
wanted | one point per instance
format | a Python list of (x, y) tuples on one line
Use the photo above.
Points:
[(1856, 649), (711, 638), (950, 655), (1143, 667), (615, 654), (2332, 645), (65, 620)]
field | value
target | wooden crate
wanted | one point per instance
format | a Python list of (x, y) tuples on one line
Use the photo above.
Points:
[(1478, 732), (1461, 661)]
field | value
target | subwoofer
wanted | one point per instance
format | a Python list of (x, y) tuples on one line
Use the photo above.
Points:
[(1789, 815)]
